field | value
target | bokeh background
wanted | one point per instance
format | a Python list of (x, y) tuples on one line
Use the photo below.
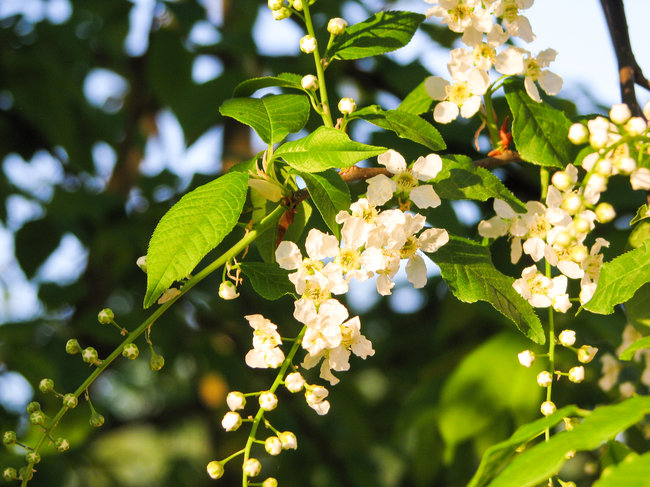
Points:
[(109, 113)]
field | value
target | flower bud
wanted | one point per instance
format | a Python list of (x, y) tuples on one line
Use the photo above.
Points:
[(37, 418), (268, 401), (308, 44), (605, 212), (544, 379), (347, 106), (297, 4), (309, 82), (578, 134), (235, 400), (294, 382), (563, 239), (646, 111), (598, 139), (620, 113), (142, 263), (577, 374), (581, 225), (273, 445), (9, 474), (96, 419), (572, 204), (288, 440), (281, 13), (547, 408), (168, 295), (567, 338), (570, 423), (604, 167), (274, 5), (578, 253), (70, 401), (130, 351), (33, 406), (32, 457), (62, 444), (228, 290), (26, 473), (9, 438), (586, 354), (89, 355), (46, 385), (270, 482), (72, 346), (625, 164), (336, 26), (156, 362), (561, 180), (526, 358), (106, 316), (270, 190), (215, 468), (252, 467), (231, 421), (635, 126)]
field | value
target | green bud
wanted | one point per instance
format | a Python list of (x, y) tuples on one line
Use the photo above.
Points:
[(72, 346), (157, 362), (32, 457), (9, 438), (131, 351), (89, 355), (96, 419), (33, 407), (46, 385), (215, 469), (62, 444), (70, 401), (10, 474), (26, 473), (270, 482), (106, 316), (37, 418)]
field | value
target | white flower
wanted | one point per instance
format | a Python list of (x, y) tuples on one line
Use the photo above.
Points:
[(586, 354), (567, 338), (268, 401), (516, 25), (308, 44), (235, 400), (336, 26), (640, 179), (266, 341), (231, 421), (538, 289), (347, 106), (591, 266), (547, 408), (462, 96), (309, 82), (289, 440), (577, 374), (252, 467), (323, 326), (315, 396), (462, 16), (526, 358), (228, 290), (294, 382), (273, 445), (544, 379), (610, 371)]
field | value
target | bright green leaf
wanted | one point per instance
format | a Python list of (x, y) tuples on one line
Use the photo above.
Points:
[(538, 130), (381, 33), (498, 455), (283, 80), (330, 194), (620, 278), (641, 214), (630, 351), (269, 280), (266, 243), (272, 117), (545, 459), (325, 148), (406, 125), (633, 472), (460, 179), (190, 229), (467, 269), (417, 101), (637, 309)]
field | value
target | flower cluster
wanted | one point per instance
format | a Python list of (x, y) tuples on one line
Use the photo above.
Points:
[(486, 26)]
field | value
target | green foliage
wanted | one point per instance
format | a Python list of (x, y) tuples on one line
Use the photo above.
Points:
[(190, 229), (633, 472), (538, 130), (417, 101), (268, 280), (283, 80), (620, 278), (640, 344), (641, 214), (273, 117), (405, 124), (467, 269), (381, 33), (324, 149), (330, 194)]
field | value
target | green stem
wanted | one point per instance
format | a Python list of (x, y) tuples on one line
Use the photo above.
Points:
[(551, 351), (326, 115), (544, 179), (276, 383), (249, 238), (490, 119)]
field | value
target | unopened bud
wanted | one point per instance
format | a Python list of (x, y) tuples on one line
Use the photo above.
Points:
[(215, 468), (347, 106), (268, 401), (231, 421), (72, 346), (33, 406), (578, 134), (297, 4), (526, 358), (270, 482), (252, 467), (289, 440), (581, 225), (578, 253), (106, 316), (547, 408), (32, 457), (567, 338), (275, 4), (309, 82), (37, 418), (228, 290), (308, 44), (605, 212), (544, 378), (635, 126), (646, 111), (142, 263), (26, 473), (625, 164), (9, 474), (561, 180), (156, 362), (89, 355), (236, 400), (9, 438), (131, 351), (336, 26), (46, 385), (620, 113), (62, 444), (572, 204), (577, 374), (586, 354), (273, 445), (70, 401), (281, 13), (96, 419)]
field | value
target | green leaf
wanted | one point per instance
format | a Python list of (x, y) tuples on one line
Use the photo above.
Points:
[(190, 229), (538, 130), (467, 269), (630, 351), (641, 214), (383, 32), (272, 117), (325, 148), (620, 278), (417, 101), (633, 472), (269, 280), (460, 179), (266, 243), (495, 458), (283, 80), (406, 125), (637, 309), (545, 459), (330, 195)]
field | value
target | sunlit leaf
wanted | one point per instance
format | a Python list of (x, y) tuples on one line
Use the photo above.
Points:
[(269, 280), (330, 194)]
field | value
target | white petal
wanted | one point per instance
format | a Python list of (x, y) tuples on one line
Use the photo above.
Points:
[(288, 255), (470, 107), (304, 310), (445, 112), (432, 239), (478, 82), (535, 248), (531, 89), (473, 37), (515, 250), (393, 160), (424, 196), (384, 285), (416, 271), (570, 269), (503, 209), (320, 245), (510, 62), (551, 83), (436, 87), (426, 168), (380, 189), (640, 179)]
